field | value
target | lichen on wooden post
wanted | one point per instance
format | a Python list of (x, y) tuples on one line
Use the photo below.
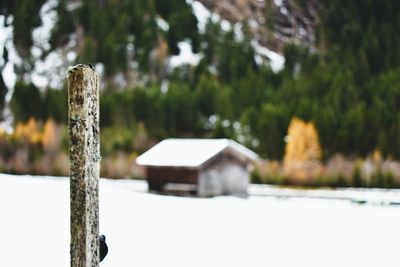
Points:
[(83, 128)]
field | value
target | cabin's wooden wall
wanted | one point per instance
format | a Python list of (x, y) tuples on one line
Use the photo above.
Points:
[(158, 177), (224, 175)]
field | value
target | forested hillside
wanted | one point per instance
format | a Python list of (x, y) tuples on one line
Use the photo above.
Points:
[(341, 70)]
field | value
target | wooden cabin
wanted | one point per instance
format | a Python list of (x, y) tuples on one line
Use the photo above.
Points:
[(203, 167)]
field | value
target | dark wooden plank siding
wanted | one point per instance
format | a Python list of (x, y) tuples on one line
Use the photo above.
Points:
[(158, 177)]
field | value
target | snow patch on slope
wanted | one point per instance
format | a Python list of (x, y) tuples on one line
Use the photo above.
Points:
[(6, 40), (277, 61), (185, 57), (162, 24), (7, 69), (48, 15), (46, 67), (202, 14), (48, 71)]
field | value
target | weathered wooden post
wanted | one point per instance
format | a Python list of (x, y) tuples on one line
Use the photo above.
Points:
[(83, 127)]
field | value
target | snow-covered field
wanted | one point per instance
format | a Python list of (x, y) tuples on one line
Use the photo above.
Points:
[(151, 230)]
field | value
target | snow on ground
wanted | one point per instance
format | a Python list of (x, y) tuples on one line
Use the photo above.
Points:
[(144, 229), (375, 196)]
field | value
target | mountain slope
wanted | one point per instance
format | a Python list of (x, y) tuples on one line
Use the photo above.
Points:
[(273, 22)]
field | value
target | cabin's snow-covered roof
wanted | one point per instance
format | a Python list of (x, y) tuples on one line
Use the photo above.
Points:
[(191, 152)]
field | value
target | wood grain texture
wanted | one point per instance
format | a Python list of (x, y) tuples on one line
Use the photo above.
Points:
[(83, 128)]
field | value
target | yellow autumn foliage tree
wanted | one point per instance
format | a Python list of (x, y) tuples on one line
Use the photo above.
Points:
[(303, 151), (28, 131), (3, 133), (51, 137), (377, 156)]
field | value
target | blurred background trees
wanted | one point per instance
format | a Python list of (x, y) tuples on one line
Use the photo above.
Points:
[(341, 72)]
